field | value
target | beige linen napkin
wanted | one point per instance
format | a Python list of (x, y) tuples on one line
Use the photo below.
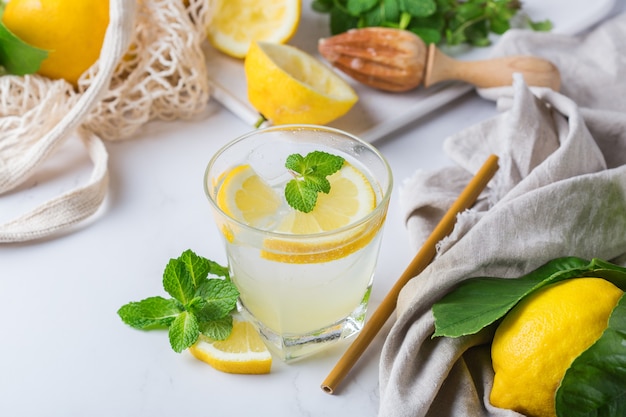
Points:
[(560, 191)]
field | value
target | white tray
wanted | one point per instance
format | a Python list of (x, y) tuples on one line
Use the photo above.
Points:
[(375, 115)]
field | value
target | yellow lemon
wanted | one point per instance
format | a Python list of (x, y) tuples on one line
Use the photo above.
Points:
[(244, 196), (243, 352), (71, 30), (287, 85), (541, 336), (238, 23)]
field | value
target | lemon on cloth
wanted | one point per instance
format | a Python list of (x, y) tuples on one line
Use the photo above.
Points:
[(238, 23), (243, 352), (287, 85), (71, 30), (541, 336), (247, 198)]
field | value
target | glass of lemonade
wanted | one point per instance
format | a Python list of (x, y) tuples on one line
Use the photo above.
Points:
[(304, 278)]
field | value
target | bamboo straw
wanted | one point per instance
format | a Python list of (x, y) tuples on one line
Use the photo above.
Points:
[(425, 255)]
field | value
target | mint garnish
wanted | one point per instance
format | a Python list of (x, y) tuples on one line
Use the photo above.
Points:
[(199, 304), (310, 173)]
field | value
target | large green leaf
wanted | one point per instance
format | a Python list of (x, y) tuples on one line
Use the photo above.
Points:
[(479, 302), (595, 383)]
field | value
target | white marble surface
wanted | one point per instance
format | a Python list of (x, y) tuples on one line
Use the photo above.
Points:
[(65, 352)]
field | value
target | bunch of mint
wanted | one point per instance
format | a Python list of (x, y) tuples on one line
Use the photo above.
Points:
[(199, 304), (455, 21)]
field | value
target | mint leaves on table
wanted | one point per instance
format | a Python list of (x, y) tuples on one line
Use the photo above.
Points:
[(199, 304), (310, 173), (455, 21), (593, 384), (16, 56)]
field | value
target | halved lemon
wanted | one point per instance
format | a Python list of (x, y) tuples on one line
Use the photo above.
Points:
[(238, 23), (287, 85), (247, 198), (243, 352)]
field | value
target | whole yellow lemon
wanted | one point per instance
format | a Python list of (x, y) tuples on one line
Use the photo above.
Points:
[(71, 30), (541, 336)]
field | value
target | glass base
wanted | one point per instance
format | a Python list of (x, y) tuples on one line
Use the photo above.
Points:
[(290, 347)]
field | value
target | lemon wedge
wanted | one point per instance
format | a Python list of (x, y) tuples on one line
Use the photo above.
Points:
[(244, 196), (243, 352), (237, 23), (287, 85)]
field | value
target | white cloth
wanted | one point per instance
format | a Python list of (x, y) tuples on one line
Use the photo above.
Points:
[(560, 191)]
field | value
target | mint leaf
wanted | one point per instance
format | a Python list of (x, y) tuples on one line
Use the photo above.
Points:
[(300, 196), (16, 56), (197, 267), (178, 282), (218, 329), (184, 331), (310, 173), (151, 312), (199, 304), (220, 298)]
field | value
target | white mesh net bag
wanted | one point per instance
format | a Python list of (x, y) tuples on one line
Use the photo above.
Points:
[(151, 66)]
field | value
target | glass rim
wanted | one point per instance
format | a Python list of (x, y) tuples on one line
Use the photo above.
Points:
[(380, 205)]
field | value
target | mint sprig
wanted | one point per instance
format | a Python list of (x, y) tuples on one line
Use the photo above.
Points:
[(199, 304), (310, 172)]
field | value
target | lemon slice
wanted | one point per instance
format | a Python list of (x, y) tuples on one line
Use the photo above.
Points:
[(243, 352), (287, 85), (244, 196), (237, 23)]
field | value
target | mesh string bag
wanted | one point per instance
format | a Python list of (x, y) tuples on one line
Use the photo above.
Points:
[(151, 66)]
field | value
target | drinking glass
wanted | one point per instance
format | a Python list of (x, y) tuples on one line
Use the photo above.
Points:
[(303, 292)]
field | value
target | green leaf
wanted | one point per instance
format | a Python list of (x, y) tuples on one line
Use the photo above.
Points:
[(418, 8), (218, 329), (178, 282), (479, 302), (300, 196), (183, 331), (357, 7), (322, 163), (220, 297), (310, 173), (16, 56), (150, 312), (594, 383), (197, 267)]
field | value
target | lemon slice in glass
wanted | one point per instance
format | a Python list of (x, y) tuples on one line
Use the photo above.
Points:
[(287, 85), (243, 352), (244, 196), (237, 23)]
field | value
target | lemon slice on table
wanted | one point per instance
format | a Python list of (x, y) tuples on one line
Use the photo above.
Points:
[(237, 23), (247, 198), (287, 85), (243, 352)]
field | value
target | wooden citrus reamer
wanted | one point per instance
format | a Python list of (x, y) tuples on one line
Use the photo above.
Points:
[(398, 60), (425, 255)]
